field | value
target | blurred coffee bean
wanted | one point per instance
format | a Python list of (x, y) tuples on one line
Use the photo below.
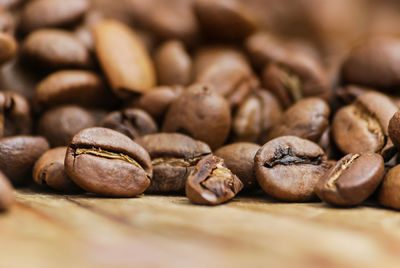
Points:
[(15, 114), (8, 47)]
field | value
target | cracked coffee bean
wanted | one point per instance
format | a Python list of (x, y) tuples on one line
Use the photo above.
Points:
[(352, 180), (289, 167), (211, 183), (49, 170), (131, 122), (7, 198), (106, 162), (173, 156)]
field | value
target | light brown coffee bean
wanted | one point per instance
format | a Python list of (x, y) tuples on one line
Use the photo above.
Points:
[(388, 193), (7, 198)]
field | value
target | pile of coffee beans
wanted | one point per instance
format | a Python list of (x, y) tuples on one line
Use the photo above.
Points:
[(203, 98)]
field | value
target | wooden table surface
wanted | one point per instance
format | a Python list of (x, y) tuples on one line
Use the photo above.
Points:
[(50, 230)]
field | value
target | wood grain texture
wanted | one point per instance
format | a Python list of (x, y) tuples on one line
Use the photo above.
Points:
[(49, 230)]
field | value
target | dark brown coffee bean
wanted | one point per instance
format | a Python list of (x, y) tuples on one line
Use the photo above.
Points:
[(348, 94), (106, 162), (6, 193), (53, 48), (52, 13), (289, 167), (157, 101), (239, 158), (211, 183), (15, 115), (388, 193), (18, 154), (308, 119), (173, 64), (208, 118), (124, 58), (60, 124), (295, 77), (73, 87), (225, 19), (173, 157), (374, 63), (49, 170), (363, 126), (131, 122), (352, 180), (394, 129)]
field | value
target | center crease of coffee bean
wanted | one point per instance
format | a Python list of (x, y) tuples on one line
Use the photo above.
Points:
[(216, 181), (332, 180), (292, 84), (175, 161), (285, 156)]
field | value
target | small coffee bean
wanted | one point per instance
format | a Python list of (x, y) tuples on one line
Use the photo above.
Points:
[(52, 13), (388, 193), (131, 122), (49, 170), (208, 119), (18, 154), (106, 162), (308, 119), (60, 124), (15, 115), (239, 158), (6, 193), (173, 64), (352, 180), (8, 47), (53, 48), (173, 156), (289, 167), (394, 129), (211, 183), (123, 58)]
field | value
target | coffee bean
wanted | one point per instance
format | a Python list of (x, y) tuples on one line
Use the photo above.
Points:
[(53, 48), (49, 170), (239, 158), (173, 64), (106, 162), (173, 156), (8, 22), (363, 126), (388, 193), (289, 167), (131, 122), (60, 124), (352, 180), (394, 129), (52, 13), (211, 183), (6, 193), (18, 154), (308, 119), (15, 115), (8, 47), (123, 58), (73, 87), (208, 119)]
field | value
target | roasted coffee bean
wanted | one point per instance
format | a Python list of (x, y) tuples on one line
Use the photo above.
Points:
[(239, 158), (131, 122), (363, 126), (308, 119), (388, 193), (394, 129), (173, 156), (60, 124), (173, 64), (374, 63), (73, 87), (225, 19), (6, 193), (49, 170), (348, 94), (7, 22), (52, 13), (8, 47), (157, 101), (106, 162), (208, 118), (211, 183), (53, 48), (295, 77), (124, 58), (15, 115), (256, 116), (352, 180), (289, 167), (18, 154)]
